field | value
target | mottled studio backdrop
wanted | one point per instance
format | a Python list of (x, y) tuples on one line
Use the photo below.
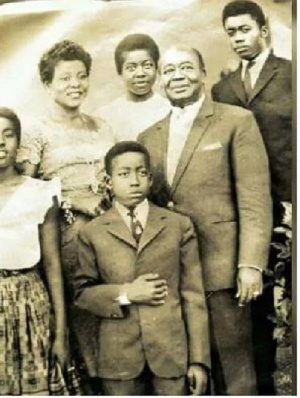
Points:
[(28, 28)]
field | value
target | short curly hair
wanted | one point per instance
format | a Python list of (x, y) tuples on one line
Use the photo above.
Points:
[(9, 114), (240, 7), (65, 50), (136, 41)]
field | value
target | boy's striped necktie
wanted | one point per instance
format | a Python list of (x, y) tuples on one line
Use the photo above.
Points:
[(135, 225)]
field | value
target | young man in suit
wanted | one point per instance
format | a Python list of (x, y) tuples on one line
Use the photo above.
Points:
[(209, 162), (262, 83), (140, 274)]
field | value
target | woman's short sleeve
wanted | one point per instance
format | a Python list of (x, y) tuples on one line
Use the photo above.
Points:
[(32, 144)]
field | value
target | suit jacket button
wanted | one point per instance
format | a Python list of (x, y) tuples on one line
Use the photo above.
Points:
[(170, 205), (114, 315)]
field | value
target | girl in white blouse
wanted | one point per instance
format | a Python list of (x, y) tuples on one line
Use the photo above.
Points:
[(28, 233)]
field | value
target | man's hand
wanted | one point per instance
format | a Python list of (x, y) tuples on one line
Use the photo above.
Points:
[(249, 285), (197, 379), (147, 289)]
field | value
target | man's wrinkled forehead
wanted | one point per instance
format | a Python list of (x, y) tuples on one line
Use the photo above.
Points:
[(176, 55)]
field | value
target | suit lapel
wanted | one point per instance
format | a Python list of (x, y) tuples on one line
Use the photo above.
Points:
[(155, 224), (198, 129), (116, 227), (237, 85), (267, 73)]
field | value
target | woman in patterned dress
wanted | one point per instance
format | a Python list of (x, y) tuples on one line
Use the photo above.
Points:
[(29, 231), (71, 145)]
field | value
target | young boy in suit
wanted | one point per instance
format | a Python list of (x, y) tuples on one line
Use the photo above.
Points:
[(140, 274)]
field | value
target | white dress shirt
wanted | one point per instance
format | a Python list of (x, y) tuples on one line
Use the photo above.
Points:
[(181, 122), (141, 213), (258, 64)]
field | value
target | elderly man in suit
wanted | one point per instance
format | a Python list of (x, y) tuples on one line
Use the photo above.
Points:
[(263, 84), (209, 162)]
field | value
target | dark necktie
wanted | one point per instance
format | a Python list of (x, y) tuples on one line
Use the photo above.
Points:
[(247, 79), (135, 225)]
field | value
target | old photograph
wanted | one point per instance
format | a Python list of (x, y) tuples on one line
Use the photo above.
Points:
[(146, 189)]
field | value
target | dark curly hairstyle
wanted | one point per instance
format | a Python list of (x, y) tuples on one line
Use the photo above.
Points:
[(136, 41), (12, 116), (240, 7), (65, 50)]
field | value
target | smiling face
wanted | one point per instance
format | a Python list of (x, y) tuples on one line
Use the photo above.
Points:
[(70, 84), (246, 37), (8, 143), (182, 76), (138, 74), (130, 178)]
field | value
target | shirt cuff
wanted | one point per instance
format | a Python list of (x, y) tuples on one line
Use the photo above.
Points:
[(250, 266), (123, 299)]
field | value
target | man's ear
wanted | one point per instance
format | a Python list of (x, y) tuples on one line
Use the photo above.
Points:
[(265, 32), (150, 180)]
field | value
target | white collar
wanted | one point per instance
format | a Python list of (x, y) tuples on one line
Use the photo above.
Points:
[(141, 212), (260, 59), (191, 109)]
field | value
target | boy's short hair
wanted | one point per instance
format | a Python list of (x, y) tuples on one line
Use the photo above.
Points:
[(124, 147), (240, 7), (136, 41)]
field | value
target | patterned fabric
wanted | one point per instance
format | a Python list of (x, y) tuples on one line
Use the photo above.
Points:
[(25, 336), (75, 155), (135, 226)]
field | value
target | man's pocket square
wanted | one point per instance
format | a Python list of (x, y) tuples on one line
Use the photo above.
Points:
[(211, 147)]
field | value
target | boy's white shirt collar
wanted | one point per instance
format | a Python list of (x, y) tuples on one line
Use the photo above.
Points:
[(259, 63), (141, 212)]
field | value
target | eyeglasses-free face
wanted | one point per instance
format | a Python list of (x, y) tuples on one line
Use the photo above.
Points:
[(130, 178), (138, 74), (8, 143), (70, 84)]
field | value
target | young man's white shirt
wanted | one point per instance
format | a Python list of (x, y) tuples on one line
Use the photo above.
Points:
[(256, 68)]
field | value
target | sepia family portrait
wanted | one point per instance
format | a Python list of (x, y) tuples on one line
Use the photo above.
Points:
[(146, 189)]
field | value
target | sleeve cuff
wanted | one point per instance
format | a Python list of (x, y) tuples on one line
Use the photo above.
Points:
[(250, 266), (123, 299)]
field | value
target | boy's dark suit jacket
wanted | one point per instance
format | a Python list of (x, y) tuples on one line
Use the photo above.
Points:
[(271, 104), (222, 183), (167, 336)]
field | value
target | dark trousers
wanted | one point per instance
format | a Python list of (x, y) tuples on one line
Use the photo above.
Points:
[(145, 384), (231, 345), (264, 344)]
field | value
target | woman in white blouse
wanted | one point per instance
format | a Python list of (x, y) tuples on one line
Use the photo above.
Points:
[(28, 233)]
